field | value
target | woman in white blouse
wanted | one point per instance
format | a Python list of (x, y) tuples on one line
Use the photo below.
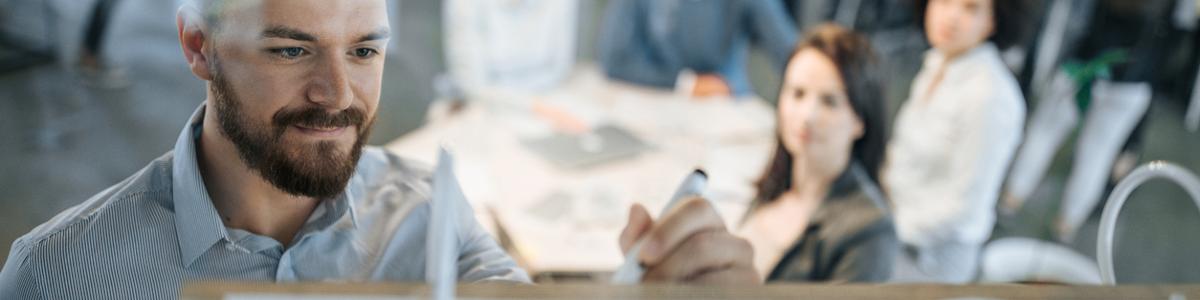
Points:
[(954, 139)]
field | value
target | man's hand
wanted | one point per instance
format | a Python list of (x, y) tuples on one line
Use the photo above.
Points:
[(711, 85), (689, 245)]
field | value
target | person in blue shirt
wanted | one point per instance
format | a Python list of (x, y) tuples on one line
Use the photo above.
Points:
[(654, 42), (270, 180)]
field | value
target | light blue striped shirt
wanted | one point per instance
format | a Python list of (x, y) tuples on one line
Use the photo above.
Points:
[(149, 233)]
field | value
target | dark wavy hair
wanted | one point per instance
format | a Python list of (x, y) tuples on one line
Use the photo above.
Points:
[(1011, 26), (858, 67)]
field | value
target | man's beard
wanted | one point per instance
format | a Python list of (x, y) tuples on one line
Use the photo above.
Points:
[(317, 170)]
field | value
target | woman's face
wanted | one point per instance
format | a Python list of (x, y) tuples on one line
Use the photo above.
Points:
[(818, 126), (955, 26)]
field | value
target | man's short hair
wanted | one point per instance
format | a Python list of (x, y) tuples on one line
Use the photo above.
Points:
[(209, 10)]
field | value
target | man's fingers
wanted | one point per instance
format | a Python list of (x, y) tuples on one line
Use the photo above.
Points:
[(688, 218), (639, 222), (703, 252)]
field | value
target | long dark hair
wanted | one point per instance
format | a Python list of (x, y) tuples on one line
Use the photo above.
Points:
[(858, 67)]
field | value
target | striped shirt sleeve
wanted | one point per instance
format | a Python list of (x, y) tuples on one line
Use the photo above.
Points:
[(16, 279)]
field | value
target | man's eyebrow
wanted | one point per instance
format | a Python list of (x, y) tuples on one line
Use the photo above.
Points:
[(379, 34), (284, 32)]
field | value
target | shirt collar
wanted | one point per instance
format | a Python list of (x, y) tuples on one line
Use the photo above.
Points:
[(330, 213), (196, 221), (197, 224), (935, 58)]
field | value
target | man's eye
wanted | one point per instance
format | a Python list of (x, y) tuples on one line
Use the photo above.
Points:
[(289, 53), (365, 52)]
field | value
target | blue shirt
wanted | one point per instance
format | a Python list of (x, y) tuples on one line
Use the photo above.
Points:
[(144, 236), (649, 42)]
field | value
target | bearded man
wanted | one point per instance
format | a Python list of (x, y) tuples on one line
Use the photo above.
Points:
[(269, 179)]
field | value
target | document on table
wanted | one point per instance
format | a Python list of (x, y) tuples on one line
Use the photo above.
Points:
[(441, 271)]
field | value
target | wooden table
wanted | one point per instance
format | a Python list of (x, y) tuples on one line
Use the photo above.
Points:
[(234, 290)]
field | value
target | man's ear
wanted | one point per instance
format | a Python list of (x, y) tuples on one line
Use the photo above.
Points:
[(192, 38)]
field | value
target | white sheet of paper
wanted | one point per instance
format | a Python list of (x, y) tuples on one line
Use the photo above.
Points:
[(441, 271)]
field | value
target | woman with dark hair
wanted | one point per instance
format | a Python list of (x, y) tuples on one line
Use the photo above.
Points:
[(818, 215), (954, 139)]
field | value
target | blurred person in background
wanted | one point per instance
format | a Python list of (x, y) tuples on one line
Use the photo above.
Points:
[(509, 45), (695, 47), (888, 24), (1102, 85), (954, 138), (818, 215)]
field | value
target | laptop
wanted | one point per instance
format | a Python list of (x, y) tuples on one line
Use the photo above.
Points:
[(600, 145)]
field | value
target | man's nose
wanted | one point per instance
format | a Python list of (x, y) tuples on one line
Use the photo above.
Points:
[(329, 85)]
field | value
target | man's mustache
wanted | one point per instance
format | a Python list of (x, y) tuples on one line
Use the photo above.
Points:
[(319, 118)]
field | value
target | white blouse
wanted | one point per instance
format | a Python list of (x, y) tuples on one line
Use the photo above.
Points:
[(951, 149), (526, 46)]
